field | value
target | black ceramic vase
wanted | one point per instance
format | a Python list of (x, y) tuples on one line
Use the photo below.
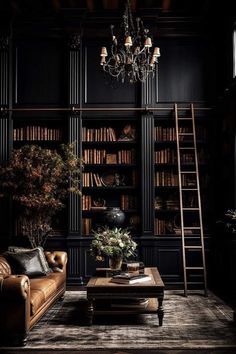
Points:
[(114, 217)]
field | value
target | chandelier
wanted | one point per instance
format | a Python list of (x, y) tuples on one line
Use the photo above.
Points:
[(131, 58)]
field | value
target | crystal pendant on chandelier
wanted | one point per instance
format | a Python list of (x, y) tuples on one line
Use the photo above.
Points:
[(131, 58)]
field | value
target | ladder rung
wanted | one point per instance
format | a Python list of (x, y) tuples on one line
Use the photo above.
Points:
[(189, 189), (190, 209), (188, 171), (194, 247), (185, 133), (192, 228), (184, 118), (199, 268), (187, 148)]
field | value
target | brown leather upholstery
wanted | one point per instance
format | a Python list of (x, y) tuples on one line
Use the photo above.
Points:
[(23, 301), (56, 259), (5, 268)]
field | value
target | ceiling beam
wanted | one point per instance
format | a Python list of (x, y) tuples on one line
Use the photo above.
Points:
[(110, 5), (90, 5)]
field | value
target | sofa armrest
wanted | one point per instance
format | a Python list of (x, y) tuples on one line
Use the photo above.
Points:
[(14, 309), (14, 287), (57, 260)]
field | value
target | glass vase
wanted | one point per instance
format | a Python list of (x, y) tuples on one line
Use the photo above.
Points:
[(115, 263)]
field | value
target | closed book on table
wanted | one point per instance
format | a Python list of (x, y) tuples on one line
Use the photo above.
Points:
[(126, 278)]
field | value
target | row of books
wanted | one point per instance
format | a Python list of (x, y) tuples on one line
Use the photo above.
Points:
[(95, 156), (39, 133), (166, 204), (98, 134), (169, 133), (170, 179), (166, 179), (165, 156), (91, 179), (128, 202)]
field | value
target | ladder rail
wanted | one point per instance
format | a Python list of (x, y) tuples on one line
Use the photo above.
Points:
[(199, 199), (180, 199), (184, 209)]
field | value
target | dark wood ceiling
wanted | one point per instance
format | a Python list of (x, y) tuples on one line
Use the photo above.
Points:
[(181, 7), (95, 11)]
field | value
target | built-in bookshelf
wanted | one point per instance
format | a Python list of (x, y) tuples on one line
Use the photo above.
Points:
[(49, 133), (110, 176), (166, 184)]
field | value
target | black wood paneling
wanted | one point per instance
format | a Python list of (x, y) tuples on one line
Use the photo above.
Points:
[(5, 133), (181, 70), (74, 199), (97, 89), (40, 69), (147, 174)]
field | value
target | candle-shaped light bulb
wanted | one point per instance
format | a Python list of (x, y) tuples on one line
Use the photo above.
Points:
[(103, 52), (103, 60), (128, 41), (148, 42), (156, 52)]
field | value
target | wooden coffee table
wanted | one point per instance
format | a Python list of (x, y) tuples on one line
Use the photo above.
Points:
[(101, 288)]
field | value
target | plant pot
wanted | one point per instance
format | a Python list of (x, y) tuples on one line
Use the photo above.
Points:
[(115, 263)]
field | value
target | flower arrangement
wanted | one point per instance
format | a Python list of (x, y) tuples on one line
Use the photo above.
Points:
[(39, 180), (114, 243), (230, 221)]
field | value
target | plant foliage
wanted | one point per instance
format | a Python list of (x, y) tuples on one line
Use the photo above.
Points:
[(39, 180), (114, 243)]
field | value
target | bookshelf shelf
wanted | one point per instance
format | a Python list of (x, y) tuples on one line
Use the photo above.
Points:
[(110, 151)]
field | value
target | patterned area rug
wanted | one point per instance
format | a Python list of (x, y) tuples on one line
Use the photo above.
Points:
[(195, 322)]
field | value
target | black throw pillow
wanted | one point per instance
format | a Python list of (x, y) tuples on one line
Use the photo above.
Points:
[(17, 249), (28, 263)]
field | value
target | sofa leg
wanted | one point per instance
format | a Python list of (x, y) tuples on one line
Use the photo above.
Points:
[(62, 297)]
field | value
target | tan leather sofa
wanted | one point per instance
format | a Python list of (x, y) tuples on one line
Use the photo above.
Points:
[(23, 301)]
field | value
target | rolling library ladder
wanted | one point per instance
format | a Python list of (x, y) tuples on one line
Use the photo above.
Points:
[(190, 215)]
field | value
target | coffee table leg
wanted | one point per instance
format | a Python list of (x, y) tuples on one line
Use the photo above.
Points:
[(160, 311), (90, 312)]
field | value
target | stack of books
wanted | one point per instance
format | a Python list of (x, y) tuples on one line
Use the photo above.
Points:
[(128, 278), (140, 303)]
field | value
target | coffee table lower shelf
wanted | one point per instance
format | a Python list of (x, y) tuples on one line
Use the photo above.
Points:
[(151, 308)]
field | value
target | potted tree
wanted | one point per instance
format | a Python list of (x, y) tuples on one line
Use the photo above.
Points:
[(39, 180)]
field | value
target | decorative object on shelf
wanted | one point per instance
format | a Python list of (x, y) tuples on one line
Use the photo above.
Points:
[(115, 243), (39, 180), (114, 217), (98, 204), (112, 179), (130, 59), (127, 134)]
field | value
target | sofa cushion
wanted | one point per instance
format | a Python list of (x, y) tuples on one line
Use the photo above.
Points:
[(27, 263), (41, 289), (37, 299), (17, 249)]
